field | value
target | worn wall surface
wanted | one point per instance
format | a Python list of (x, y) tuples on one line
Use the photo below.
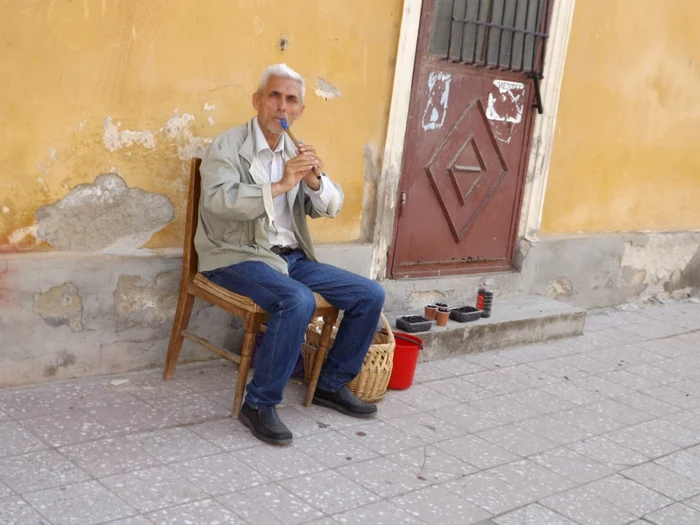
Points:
[(137, 87), (625, 156)]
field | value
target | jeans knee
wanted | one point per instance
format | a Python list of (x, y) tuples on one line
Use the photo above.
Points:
[(303, 302), (376, 295)]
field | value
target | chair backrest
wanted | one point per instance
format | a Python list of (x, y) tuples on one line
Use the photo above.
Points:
[(189, 254)]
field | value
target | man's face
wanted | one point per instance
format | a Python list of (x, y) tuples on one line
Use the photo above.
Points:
[(281, 98)]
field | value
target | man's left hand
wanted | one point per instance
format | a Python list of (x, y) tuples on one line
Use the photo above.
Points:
[(310, 178)]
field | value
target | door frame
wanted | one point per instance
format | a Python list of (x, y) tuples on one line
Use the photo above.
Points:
[(540, 153)]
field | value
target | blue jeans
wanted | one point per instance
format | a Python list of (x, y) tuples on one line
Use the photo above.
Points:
[(290, 302)]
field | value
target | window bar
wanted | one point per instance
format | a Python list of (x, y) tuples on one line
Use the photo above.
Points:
[(487, 36), (522, 54), (533, 65), (476, 28), (545, 35), (449, 35), (512, 36), (500, 36)]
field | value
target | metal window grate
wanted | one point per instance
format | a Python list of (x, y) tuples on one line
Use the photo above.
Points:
[(508, 35)]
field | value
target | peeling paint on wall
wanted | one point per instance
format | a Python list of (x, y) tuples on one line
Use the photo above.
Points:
[(326, 90), (505, 108), (115, 139), (209, 107), (659, 255), (369, 205), (60, 306), (438, 100), (45, 168), (179, 132), (18, 236), (106, 216), (146, 304)]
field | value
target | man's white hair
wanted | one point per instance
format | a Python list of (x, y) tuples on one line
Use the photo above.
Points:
[(283, 71)]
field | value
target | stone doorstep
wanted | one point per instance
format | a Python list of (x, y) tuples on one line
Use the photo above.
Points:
[(517, 321)]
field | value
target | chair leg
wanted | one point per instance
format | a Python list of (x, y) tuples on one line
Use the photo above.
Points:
[(252, 327), (182, 318), (320, 356)]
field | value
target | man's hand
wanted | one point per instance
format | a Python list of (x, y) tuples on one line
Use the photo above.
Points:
[(310, 178), (294, 171)]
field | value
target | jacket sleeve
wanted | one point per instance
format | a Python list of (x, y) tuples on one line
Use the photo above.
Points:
[(328, 204), (223, 193)]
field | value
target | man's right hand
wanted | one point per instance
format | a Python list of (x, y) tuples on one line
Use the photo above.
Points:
[(294, 171)]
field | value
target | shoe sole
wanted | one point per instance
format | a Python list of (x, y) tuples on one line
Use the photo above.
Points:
[(342, 409), (265, 439)]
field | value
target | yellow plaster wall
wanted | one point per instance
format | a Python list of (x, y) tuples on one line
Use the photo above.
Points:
[(68, 66), (627, 149)]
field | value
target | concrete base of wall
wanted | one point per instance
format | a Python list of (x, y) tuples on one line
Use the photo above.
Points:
[(65, 314)]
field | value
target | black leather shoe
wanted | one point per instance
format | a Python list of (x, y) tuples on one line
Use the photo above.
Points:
[(344, 401), (265, 425)]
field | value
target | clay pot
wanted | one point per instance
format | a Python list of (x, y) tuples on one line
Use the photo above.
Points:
[(443, 314), (430, 312)]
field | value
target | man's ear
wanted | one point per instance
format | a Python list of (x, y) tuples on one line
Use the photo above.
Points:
[(301, 110), (256, 100)]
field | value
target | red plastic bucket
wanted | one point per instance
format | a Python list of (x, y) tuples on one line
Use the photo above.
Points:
[(405, 360)]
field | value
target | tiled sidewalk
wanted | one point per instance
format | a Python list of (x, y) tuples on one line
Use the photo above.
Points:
[(603, 429)]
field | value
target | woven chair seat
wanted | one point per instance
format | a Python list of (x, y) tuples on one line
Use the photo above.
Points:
[(240, 300)]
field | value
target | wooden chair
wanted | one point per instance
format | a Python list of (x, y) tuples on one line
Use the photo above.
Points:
[(193, 284)]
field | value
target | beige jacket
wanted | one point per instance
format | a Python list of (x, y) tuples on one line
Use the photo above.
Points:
[(236, 206)]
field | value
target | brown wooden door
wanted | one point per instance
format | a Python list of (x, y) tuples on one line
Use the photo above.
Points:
[(467, 140)]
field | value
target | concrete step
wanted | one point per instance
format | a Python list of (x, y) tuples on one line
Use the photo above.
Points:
[(514, 321)]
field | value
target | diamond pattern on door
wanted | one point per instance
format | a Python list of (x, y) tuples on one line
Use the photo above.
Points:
[(466, 168)]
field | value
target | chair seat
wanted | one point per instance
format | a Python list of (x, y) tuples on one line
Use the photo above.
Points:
[(241, 300)]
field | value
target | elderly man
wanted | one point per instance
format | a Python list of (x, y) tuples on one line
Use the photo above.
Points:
[(252, 238)]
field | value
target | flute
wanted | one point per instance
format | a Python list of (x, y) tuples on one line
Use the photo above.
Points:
[(285, 127)]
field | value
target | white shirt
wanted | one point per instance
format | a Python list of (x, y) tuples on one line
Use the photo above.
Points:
[(282, 226)]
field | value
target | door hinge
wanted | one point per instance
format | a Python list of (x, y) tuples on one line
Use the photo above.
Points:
[(538, 94), (403, 203)]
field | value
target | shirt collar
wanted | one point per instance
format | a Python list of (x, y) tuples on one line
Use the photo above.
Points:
[(261, 142)]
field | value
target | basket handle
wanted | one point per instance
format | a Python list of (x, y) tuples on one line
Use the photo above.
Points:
[(404, 338), (387, 328)]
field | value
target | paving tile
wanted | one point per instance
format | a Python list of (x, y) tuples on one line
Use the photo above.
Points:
[(205, 512), (220, 474), (459, 390), (5, 491), (490, 493), (629, 495), (531, 477), (467, 418), (496, 382), (540, 400), (457, 366), (693, 503), (203, 378), (663, 481), (590, 421), (300, 423), (194, 408), (387, 409), (532, 515), (109, 456), (383, 477), (323, 521), (432, 464), (572, 393), (381, 437), (653, 373), (630, 380), (572, 465), (424, 398), (623, 336), (426, 372), (382, 513), (554, 429), (39, 470), (437, 504), (584, 507), (680, 366), (68, 428), (173, 444), (668, 431), (671, 394), (15, 440), (668, 347), (648, 445), (587, 365), (517, 440), (329, 491), (426, 427), (153, 489), (16, 511), (223, 397), (278, 463), (491, 360), (557, 369), (677, 514), (687, 418), (534, 352), (136, 520), (4, 417), (620, 411), (682, 462), (648, 404), (526, 375), (154, 388), (507, 410), (87, 503), (602, 386), (688, 386), (608, 452), (632, 354), (227, 434), (333, 449), (34, 402), (270, 505), (477, 452)]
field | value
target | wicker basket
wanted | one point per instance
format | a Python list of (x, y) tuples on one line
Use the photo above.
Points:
[(371, 383)]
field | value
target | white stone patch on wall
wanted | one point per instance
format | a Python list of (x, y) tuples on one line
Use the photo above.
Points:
[(211, 120), (179, 132), (326, 90), (45, 168), (17, 235), (209, 107), (115, 139), (661, 255), (5, 210), (505, 108), (438, 100)]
